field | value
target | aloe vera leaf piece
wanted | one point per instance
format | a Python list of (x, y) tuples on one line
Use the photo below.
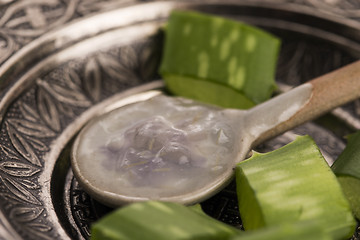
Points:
[(215, 49), (206, 91), (293, 183), (160, 220), (309, 230), (347, 170), (348, 163), (351, 188)]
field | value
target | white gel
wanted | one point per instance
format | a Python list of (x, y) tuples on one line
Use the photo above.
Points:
[(162, 147)]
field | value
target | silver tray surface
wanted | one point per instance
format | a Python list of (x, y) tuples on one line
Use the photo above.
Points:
[(63, 61)]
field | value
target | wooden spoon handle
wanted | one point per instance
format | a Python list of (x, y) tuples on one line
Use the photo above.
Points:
[(327, 92)]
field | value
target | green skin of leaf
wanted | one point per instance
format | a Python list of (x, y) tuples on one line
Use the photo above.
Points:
[(161, 221), (307, 230), (222, 51), (206, 91), (348, 163), (351, 188), (347, 169), (281, 187)]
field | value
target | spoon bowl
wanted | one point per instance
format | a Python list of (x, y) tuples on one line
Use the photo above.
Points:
[(180, 150)]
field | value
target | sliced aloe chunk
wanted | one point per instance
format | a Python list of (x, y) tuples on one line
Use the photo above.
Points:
[(293, 183), (222, 51), (308, 230), (160, 220), (207, 91), (348, 163), (351, 188), (347, 170)]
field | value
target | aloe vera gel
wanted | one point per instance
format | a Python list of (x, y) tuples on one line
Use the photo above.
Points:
[(140, 154), (293, 183)]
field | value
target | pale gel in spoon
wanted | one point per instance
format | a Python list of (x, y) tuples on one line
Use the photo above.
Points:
[(159, 148)]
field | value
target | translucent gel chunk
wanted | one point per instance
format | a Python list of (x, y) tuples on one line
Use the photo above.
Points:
[(181, 147)]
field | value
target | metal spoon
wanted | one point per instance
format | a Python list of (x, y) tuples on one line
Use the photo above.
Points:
[(187, 151)]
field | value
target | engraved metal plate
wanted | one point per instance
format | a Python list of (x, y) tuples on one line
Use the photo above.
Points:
[(63, 61)]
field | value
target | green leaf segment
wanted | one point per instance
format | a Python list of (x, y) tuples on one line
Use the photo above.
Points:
[(347, 170), (307, 230), (160, 221), (293, 183), (218, 60)]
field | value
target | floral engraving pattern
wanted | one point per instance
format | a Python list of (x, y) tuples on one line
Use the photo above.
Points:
[(82, 209), (39, 117), (342, 8), (89, 6), (23, 21), (15, 176)]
